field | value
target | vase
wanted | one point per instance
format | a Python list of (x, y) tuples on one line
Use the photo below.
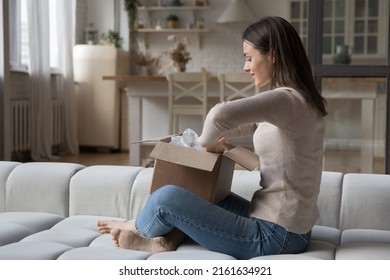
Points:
[(144, 70), (181, 67), (343, 55), (172, 24)]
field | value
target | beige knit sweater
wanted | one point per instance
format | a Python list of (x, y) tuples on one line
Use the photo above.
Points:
[(289, 141)]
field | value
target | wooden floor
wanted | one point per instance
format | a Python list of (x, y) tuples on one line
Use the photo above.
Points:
[(98, 158)]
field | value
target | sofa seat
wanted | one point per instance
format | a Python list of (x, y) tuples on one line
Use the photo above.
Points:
[(103, 253), (32, 250), (363, 251), (49, 211), (10, 232), (15, 226), (83, 241)]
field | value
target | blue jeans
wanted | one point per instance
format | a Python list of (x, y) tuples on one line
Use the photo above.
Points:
[(224, 228)]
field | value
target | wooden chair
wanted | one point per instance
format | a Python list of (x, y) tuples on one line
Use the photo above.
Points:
[(235, 85), (187, 96)]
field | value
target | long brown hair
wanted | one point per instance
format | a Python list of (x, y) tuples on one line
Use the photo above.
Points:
[(292, 67)]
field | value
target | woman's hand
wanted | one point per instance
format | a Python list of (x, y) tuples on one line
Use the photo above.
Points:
[(219, 148)]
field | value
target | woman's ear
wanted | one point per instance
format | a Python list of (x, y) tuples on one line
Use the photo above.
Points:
[(273, 56)]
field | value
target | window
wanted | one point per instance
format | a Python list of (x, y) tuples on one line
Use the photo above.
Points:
[(366, 26), (358, 24), (334, 29), (299, 18), (357, 127), (20, 42)]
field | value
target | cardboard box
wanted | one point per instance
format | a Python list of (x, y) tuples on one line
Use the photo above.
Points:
[(208, 175)]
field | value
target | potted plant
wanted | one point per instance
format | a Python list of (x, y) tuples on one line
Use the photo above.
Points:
[(144, 62), (172, 21), (113, 38), (131, 7)]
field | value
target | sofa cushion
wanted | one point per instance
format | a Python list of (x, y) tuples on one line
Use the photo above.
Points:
[(328, 234), (102, 190), (365, 202), (363, 251), (317, 250), (365, 236), (103, 253), (33, 221), (73, 237), (104, 240), (5, 169), (49, 182), (286, 257), (10, 233), (190, 255), (329, 199), (83, 221), (35, 250), (245, 183), (321, 250), (140, 192)]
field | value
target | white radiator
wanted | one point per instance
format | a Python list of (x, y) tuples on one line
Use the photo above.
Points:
[(21, 125), (57, 121), (21, 118)]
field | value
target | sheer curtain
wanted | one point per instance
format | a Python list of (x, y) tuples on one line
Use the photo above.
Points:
[(15, 32), (66, 11), (40, 75), (40, 71)]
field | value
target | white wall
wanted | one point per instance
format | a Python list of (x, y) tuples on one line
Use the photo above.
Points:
[(221, 49)]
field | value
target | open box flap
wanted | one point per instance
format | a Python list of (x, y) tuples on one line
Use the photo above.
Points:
[(242, 156), (185, 156)]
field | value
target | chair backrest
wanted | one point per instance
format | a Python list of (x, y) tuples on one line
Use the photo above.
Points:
[(235, 85), (188, 85), (187, 96)]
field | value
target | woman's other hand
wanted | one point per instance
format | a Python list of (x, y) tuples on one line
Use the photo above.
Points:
[(219, 148)]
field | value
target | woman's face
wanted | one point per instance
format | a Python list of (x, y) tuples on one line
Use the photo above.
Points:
[(259, 66)]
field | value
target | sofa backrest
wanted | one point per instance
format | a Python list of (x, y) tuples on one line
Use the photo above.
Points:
[(5, 169), (40, 187), (365, 202), (329, 199), (103, 190), (245, 183)]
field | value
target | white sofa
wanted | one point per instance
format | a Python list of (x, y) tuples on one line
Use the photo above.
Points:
[(49, 211)]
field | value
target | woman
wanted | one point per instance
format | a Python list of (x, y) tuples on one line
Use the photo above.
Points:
[(287, 123)]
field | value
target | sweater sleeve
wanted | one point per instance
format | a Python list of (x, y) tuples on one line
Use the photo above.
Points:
[(242, 130), (277, 107)]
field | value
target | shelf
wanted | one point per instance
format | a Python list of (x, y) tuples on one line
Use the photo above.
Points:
[(191, 14), (172, 30), (173, 8)]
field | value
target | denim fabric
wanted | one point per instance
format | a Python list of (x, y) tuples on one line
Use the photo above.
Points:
[(224, 228)]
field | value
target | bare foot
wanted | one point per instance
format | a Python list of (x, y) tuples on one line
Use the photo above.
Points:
[(127, 239), (107, 226)]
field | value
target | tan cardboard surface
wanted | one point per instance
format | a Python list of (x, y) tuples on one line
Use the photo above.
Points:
[(184, 156), (213, 185), (242, 156), (206, 174)]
